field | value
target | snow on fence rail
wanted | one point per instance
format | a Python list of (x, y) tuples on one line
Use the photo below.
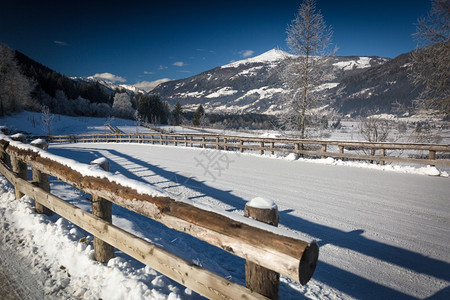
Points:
[(293, 258), (377, 152)]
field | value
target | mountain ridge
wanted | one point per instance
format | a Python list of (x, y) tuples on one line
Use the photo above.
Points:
[(354, 86), (254, 85)]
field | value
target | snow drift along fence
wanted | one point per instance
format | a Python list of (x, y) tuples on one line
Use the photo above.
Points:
[(425, 154), (293, 258)]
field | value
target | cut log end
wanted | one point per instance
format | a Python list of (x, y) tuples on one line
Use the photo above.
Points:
[(308, 263)]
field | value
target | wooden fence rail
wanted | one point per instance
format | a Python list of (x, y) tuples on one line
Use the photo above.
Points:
[(293, 258), (425, 154)]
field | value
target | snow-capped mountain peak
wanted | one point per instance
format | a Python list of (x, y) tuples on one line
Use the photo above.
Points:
[(353, 85), (273, 55), (112, 85)]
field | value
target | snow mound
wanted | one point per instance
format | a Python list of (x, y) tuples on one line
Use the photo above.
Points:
[(262, 203)]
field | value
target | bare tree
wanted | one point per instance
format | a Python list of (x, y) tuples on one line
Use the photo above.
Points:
[(47, 119), (309, 39), (138, 120), (374, 129), (431, 62)]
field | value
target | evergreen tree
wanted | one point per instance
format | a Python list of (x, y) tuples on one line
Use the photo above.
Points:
[(152, 109), (199, 116), (177, 114)]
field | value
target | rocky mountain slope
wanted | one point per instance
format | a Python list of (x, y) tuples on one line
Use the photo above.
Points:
[(355, 86)]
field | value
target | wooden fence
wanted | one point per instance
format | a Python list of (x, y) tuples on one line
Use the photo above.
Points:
[(293, 258), (425, 154)]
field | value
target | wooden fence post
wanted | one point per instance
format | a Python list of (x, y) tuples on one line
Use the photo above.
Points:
[(241, 142), (103, 209), (323, 149), (259, 279), (297, 147), (261, 151), (432, 155), (382, 153), (19, 167), (41, 179), (225, 144), (217, 143)]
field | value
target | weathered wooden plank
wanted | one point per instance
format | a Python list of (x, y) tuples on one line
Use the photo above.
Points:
[(279, 253), (194, 277)]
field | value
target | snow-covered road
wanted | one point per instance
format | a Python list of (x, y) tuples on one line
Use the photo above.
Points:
[(381, 234)]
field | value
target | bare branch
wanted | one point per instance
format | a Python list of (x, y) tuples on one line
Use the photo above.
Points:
[(431, 64)]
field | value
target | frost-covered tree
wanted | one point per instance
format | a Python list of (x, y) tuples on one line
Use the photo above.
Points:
[(137, 120), (47, 119), (309, 38), (122, 107), (431, 62), (15, 88)]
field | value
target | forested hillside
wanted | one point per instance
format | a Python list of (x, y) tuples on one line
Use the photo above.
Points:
[(27, 84)]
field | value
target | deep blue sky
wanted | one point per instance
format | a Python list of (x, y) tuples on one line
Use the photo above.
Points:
[(149, 40)]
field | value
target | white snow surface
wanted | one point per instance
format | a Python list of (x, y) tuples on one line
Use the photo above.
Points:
[(383, 231), (361, 63), (225, 91), (325, 86), (263, 92), (381, 234), (56, 257)]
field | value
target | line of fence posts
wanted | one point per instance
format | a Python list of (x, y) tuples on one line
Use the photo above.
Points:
[(263, 281), (300, 148), (100, 207)]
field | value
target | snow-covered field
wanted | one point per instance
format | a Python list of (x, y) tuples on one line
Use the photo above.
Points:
[(382, 234)]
